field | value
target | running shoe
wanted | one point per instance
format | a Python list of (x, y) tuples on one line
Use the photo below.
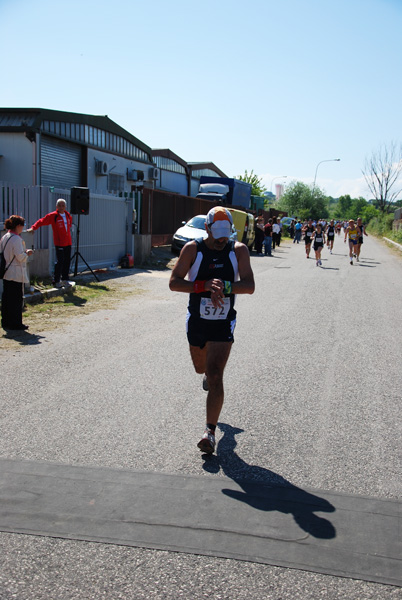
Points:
[(317, 263), (320, 262), (205, 385), (351, 261), (207, 442), (357, 258)]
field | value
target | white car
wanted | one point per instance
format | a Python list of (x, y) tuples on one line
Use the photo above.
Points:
[(192, 230)]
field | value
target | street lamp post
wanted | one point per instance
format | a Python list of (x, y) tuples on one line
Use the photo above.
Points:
[(328, 160)]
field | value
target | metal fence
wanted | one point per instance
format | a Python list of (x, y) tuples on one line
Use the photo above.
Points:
[(105, 234), (30, 202), (164, 212)]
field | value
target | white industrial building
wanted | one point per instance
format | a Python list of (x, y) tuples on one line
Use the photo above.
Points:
[(62, 149)]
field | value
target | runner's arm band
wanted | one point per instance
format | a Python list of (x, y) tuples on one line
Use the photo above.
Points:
[(199, 286), (227, 287)]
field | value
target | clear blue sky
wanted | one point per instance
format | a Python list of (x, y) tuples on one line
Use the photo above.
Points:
[(273, 86)]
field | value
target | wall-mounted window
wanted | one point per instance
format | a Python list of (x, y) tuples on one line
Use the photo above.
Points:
[(208, 172), (115, 182), (93, 136), (169, 164)]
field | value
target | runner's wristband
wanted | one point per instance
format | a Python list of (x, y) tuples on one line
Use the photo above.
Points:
[(199, 286), (227, 287)]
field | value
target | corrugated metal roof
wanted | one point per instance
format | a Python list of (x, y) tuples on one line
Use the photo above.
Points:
[(20, 119), (33, 117)]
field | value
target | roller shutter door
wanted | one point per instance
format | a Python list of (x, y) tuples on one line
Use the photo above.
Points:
[(60, 163)]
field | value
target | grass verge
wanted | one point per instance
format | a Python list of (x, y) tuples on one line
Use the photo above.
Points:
[(84, 298)]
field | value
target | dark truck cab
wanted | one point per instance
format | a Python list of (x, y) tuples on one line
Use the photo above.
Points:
[(224, 190)]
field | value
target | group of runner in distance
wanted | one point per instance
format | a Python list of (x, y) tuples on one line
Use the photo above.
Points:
[(321, 233)]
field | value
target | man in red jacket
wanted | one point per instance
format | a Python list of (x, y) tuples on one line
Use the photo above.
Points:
[(61, 222)]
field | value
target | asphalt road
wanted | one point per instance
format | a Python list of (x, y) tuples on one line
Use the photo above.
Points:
[(314, 381)]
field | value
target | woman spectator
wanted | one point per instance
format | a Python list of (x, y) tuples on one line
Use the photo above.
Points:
[(268, 238), (15, 276), (259, 235), (276, 233)]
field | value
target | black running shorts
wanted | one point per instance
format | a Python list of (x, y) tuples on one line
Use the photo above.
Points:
[(201, 331)]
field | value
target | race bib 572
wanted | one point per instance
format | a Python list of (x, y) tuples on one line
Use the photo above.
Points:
[(210, 312)]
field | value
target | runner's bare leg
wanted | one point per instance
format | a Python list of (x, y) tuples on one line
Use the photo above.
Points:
[(217, 357)]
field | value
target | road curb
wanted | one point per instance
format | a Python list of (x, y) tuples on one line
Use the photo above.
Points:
[(392, 242), (40, 295)]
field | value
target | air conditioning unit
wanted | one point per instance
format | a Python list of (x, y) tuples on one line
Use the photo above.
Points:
[(132, 175), (153, 173), (135, 175), (100, 167)]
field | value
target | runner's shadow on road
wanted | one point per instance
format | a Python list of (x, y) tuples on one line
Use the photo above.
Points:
[(24, 338), (266, 490)]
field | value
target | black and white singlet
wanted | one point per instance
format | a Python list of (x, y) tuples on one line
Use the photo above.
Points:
[(308, 235), (319, 239), (213, 264)]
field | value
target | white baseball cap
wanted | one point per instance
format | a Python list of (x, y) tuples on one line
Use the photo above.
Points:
[(219, 221)]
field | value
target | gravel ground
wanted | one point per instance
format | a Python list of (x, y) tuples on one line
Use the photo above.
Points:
[(314, 382)]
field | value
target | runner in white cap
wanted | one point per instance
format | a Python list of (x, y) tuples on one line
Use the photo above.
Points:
[(212, 271)]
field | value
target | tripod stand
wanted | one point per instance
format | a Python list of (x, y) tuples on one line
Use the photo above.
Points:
[(77, 253)]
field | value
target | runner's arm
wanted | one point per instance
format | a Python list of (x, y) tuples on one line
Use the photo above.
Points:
[(178, 281), (246, 284)]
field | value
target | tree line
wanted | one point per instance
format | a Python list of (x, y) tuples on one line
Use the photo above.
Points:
[(382, 172)]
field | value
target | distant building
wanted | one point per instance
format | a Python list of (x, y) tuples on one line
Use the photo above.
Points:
[(177, 175), (62, 149), (279, 189), (173, 172)]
